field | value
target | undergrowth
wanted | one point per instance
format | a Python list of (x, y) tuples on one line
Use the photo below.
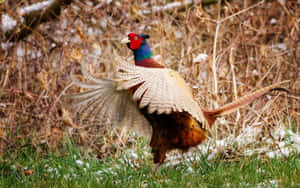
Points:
[(257, 44), (72, 168)]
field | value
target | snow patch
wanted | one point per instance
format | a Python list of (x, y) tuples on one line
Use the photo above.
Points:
[(79, 162), (35, 7), (273, 21), (200, 58), (103, 23), (277, 47), (14, 167), (171, 5), (255, 72), (20, 51), (190, 169), (285, 142), (178, 35), (157, 57), (6, 45), (274, 183), (107, 1), (118, 4), (8, 23), (166, 7), (279, 133), (97, 51)]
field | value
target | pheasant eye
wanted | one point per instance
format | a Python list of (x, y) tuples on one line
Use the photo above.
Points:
[(135, 38)]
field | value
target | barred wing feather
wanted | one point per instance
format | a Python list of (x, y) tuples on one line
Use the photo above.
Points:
[(104, 105), (162, 90)]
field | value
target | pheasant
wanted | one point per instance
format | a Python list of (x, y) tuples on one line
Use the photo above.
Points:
[(148, 97)]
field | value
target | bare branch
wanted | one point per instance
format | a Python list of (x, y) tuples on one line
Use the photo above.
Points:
[(29, 17)]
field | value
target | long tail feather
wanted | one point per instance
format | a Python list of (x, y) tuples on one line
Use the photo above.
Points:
[(211, 115)]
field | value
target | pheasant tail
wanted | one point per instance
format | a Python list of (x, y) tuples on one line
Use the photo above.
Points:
[(211, 115)]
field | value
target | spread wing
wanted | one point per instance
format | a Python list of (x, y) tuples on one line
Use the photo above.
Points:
[(161, 90), (104, 105)]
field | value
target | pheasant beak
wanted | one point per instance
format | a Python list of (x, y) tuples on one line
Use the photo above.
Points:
[(125, 40)]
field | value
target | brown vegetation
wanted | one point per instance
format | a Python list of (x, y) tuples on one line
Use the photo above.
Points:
[(256, 47)]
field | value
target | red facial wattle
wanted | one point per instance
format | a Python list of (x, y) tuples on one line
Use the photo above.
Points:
[(135, 41), (135, 44)]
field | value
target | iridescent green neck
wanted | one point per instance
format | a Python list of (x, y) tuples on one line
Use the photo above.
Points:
[(143, 52), (143, 56)]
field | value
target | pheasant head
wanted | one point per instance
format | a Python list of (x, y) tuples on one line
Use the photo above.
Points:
[(141, 50)]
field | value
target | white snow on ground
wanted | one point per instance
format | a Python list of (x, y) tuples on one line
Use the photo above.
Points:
[(168, 6), (79, 162), (35, 7), (6, 45), (7, 23), (273, 183), (282, 1), (97, 51), (172, 5), (107, 1), (200, 58), (157, 57), (273, 21), (284, 142), (103, 23), (278, 47), (178, 35), (20, 52)]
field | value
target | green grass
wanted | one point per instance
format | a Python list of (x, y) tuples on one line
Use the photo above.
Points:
[(72, 168)]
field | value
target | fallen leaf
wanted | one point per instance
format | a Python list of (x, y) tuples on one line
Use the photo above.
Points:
[(76, 55), (43, 79), (28, 172), (67, 118)]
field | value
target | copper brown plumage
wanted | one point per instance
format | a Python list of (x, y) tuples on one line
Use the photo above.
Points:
[(147, 97)]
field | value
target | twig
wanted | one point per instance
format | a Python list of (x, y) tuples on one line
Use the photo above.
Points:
[(169, 7), (214, 70), (234, 83), (219, 22), (64, 91), (267, 105), (33, 15), (242, 11)]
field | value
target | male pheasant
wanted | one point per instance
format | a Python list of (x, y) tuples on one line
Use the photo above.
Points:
[(149, 95)]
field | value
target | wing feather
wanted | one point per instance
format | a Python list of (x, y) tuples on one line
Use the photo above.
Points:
[(109, 102), (104, 105), (162, 90)]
